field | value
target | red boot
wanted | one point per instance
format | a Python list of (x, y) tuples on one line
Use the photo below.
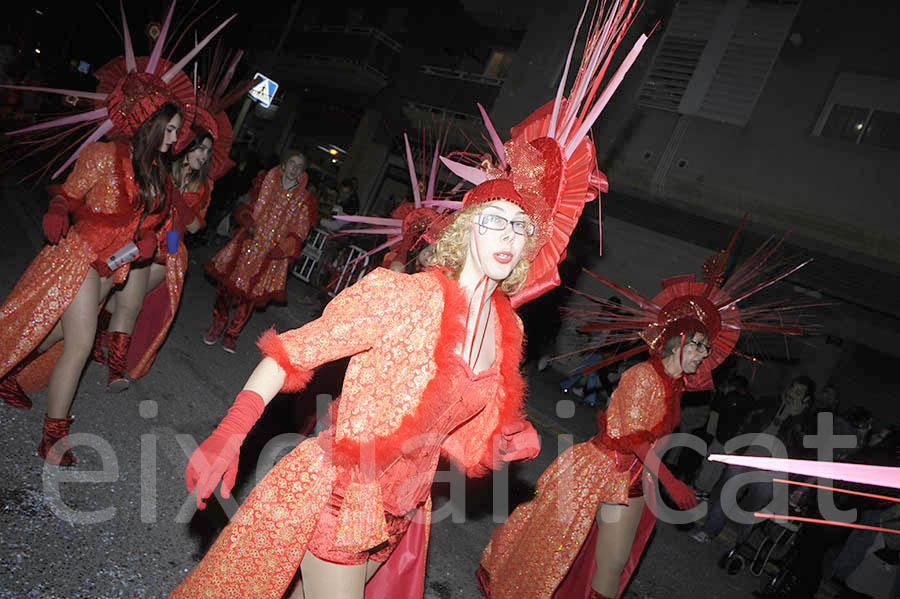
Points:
[(595, 595), (101, 340), (10, 390), (241, 315), (54, 447), (116, 360), (220, 317)]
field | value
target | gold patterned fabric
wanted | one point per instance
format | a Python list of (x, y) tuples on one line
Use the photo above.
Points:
[(529, 555), (282, 218), (109, 215), (407, 397)]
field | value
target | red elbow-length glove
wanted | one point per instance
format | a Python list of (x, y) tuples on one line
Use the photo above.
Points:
[(217, 458), (684, 496), (519, 441), (56, 219)]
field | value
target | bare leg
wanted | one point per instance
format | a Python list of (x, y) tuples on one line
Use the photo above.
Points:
[(128, 301), (616, 527), (324, 580), (371, 568), (157, 276), (79, 324)]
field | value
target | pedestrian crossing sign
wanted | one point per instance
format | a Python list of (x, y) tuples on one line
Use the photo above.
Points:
[(264, 91)]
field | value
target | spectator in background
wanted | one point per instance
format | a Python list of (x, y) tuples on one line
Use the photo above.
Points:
[(348, 198), (788, 424), (728, 414)]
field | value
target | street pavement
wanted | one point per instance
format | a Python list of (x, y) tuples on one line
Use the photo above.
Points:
[(121, 524)]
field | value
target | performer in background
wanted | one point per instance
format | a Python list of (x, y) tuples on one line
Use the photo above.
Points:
[(251, 270), (584, 532), (116, 197)]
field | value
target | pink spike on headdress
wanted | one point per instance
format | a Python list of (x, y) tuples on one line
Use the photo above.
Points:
[(56, 90), (565, 75), (882, 476), (130, 64), (229, 74), (720, 264), (160, 42), (449, 204), (605, 96), (386, 244), (369, 220), (68, 120), (473, 175), (104, 127), (432, 176), (413, 180), (495, 139), (190, 55)]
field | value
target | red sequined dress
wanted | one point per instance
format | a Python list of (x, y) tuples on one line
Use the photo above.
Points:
[(108, 213), (282, 218), (546, 547), (161, 303), (347, 494)]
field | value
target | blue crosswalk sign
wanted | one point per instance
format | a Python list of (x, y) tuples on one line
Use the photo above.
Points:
[(264, 91)]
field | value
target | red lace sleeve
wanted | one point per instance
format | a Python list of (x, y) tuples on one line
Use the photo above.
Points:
[(636, 412)]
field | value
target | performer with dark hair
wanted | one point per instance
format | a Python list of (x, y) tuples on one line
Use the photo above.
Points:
[(116, 197)]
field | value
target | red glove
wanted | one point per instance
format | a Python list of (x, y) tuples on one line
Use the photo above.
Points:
[(684, 496), (277, 253), (56, 219), (146, 245), (217, 458), (519, 441), (183, 214), (244, 216)]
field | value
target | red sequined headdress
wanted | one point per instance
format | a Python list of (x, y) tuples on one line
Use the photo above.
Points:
[(213, 99), (549, 167), (409, 224), (130, 90), (686, 305)]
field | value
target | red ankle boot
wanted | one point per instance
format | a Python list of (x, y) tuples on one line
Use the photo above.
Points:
[(595, 595), (116, 359), (10, 390), (101, 340), (54, 447)]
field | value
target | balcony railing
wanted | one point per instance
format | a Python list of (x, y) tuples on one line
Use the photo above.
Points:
[(366, 47), (454, 91)]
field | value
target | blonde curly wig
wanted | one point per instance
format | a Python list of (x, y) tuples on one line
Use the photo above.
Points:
[(451, 248)]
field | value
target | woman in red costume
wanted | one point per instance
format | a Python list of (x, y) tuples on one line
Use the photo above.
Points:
[(136, 319), (584, 533), (251, 270), (116, 197)]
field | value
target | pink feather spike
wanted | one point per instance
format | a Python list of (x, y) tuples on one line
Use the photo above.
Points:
[(495, 139), (432, 176), (62, 92), (130, 64), (370, 220), (471, 174), (882, 476), (190, 55), (68, 120), (605, 96), (386, 244), (565, 75), (160, 42), (375, 231), (413, 180), (100, 132), (450, 204), (229, 74)]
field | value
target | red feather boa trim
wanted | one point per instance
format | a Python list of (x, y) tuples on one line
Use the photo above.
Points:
[(295, 378), (431, 405)]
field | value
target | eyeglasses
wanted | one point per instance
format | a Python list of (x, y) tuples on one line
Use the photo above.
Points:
[(700, 346), (495, 222)]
